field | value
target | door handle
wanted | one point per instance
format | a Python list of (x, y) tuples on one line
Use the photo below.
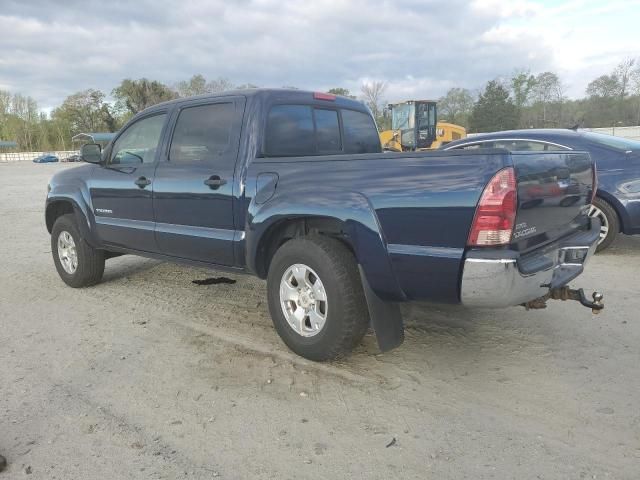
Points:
[(214, 182), (142, 182)]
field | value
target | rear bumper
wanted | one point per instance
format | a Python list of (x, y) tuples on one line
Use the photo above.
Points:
[(503, 278)]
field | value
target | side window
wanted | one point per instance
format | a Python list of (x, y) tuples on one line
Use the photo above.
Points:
[(289, 131), (506, 144), (473, 146), (202, 133), (139, 142), (327, 131), (527, 146), (549, 147), (360, 133)]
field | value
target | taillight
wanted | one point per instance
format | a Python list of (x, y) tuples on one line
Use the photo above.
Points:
[(594, 183), (324, 96), (496, 211)]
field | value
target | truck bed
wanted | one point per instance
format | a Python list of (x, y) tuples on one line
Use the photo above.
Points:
[(424, 204)]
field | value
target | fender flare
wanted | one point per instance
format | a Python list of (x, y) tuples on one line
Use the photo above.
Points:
[(351, 209), (81, 209)]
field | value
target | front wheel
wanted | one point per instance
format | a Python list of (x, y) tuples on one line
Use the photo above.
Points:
[(316, 299), (610, 225), (78, 264)]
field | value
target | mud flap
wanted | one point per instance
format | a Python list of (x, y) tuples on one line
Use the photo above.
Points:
[(386, 318)]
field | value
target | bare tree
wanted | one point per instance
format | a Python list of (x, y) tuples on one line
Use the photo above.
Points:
[(221, 84), (547, 92), (624, 73), (372, 94)]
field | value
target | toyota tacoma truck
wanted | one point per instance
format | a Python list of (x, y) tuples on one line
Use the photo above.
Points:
[(292, 186)]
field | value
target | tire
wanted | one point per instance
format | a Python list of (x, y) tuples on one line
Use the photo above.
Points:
[(346, 317), (89, 262), (610, 222)]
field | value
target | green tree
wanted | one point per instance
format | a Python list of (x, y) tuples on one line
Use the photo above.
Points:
[(136, 95), (605, 86), (456, 106), (196, 85), (341, 91), (494, 110), (84, 111), (522, 85)]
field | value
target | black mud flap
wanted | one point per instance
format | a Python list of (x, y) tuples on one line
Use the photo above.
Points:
[(386, 318)]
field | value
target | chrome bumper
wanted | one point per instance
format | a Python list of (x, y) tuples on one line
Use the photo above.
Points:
[(496, 279)]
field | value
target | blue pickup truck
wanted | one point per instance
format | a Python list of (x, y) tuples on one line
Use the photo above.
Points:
[(293, 187)]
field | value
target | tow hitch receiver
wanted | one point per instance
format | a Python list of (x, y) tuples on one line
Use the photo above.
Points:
[(567, 293)]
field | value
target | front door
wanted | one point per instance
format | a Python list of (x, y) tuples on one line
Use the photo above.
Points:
[(194, 185), (121, 191)]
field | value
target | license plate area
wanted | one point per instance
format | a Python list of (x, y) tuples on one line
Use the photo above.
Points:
[(572, 255)]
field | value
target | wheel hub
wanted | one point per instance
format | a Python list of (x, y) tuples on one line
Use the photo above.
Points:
[(67, 253), (306, 298), (303, 300)]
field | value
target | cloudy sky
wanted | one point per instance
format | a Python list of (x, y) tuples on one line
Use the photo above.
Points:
[(50, 49)]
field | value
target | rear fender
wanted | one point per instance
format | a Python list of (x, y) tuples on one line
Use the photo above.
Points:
[(359, 222), (623, 216)]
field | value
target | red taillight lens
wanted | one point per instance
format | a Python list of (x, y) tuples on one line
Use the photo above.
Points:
[(496, 211)]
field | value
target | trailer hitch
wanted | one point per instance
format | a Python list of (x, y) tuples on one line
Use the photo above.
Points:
[(568, 293)]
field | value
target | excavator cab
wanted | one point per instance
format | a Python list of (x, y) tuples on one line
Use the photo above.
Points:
[(414, 124)]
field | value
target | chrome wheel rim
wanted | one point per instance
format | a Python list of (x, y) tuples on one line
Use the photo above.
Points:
[(67, 252), (303, 299), (595, 212)]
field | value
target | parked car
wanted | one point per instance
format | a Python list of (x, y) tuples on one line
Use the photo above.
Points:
[(72, 158), (617, 202), (292, 186), (46, 158)]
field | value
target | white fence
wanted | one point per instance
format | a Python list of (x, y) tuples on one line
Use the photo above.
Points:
[(625, 132), (29, 156)]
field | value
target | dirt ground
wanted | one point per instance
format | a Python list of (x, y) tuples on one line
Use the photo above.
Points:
[(148, 375)]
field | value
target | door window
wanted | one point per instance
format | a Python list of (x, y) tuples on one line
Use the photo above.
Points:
[(139, 142), (203, 134)]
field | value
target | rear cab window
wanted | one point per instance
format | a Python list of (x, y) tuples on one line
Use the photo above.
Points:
[(307, 130)]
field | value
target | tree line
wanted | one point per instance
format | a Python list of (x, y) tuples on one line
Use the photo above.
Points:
[(521, 100)]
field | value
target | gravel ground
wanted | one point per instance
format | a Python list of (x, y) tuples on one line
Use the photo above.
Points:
[(148, 375)]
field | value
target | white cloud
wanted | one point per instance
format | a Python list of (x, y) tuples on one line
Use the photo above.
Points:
[(421, 47)]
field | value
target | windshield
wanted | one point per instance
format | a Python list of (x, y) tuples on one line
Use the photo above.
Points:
[(402, 116), (618, 143)]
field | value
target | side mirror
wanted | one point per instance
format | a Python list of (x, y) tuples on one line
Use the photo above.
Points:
[(91, 153)]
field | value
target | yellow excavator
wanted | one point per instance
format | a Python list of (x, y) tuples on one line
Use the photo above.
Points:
[(415, 126)]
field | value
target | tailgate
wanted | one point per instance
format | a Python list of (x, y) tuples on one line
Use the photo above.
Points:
[(554, 189)]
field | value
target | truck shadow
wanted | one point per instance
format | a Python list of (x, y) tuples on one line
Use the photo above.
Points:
[(628, 245)]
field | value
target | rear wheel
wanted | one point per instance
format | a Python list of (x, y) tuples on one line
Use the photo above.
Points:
[(316, 299), (78, 264), (608, 217)]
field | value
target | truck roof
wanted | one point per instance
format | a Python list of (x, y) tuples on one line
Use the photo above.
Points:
[(274, 94)]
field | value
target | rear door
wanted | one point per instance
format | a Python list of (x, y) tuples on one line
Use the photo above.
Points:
[(194, 184)]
